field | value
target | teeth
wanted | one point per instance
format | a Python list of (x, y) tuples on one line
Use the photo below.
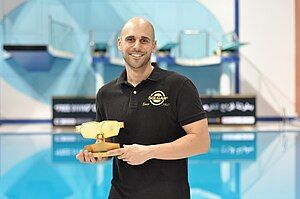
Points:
[(136, 55)]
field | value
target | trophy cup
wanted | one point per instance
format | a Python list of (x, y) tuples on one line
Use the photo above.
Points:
[(100, 131)]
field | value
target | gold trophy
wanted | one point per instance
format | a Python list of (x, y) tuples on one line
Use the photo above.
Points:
[(100, 131)]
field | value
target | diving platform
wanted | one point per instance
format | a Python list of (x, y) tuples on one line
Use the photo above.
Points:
[(35, 57)]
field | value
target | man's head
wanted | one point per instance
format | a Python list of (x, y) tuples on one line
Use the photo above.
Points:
[(137, 42)]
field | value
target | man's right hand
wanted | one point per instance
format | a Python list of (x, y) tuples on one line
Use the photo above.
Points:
[(87, 157)]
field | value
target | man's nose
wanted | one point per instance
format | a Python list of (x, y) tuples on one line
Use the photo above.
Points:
[(137, 45)]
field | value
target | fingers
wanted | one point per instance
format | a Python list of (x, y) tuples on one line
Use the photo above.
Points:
[(122, 156), (87, 157), (125, 157), (120, 153), (80, 156), (116, 152), (132, 163), (91, 157)]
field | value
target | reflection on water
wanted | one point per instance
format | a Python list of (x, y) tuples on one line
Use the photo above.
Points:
[(243, 164)]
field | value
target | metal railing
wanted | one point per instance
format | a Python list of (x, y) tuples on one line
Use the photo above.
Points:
[(61, 36)]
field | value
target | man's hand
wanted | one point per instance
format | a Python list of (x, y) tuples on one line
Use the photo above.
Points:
[(134, 154), (87, 157)]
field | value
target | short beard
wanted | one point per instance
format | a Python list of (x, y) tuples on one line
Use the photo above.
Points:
[(145, 63)]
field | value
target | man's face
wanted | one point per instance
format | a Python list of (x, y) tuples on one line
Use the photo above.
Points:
[(137, 44)]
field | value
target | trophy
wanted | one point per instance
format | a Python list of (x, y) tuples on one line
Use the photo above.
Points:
[(100, 131)]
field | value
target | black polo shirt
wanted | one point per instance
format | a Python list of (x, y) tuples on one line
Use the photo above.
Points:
[(153, 112)]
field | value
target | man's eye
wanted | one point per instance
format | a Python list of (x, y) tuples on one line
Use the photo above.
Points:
[(129, 39), (144, 41)]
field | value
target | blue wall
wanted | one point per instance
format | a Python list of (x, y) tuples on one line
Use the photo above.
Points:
[(29, 24)]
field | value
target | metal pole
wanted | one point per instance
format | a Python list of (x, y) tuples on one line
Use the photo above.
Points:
[(237, 61), (3, 42), (179, 44), (50, 31), (207, 43)]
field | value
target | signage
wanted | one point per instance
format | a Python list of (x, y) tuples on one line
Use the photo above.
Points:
[(72, 111), (230, 110), (221, 110)]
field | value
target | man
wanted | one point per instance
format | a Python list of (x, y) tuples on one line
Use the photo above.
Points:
[(164, 122)]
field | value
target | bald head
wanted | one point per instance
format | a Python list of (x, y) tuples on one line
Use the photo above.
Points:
[(137, 43), (138, 23)]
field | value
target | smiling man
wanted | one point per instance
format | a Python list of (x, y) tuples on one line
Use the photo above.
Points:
[(137, 43), (164, 122)]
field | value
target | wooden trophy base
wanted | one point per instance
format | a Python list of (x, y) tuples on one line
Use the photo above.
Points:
[(102, 155), (99, 150)]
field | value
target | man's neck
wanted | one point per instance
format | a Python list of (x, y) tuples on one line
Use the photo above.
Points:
[(136, 76)]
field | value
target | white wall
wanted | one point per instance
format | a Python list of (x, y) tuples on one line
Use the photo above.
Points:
[(269, 26), (17, 105), (223, 10)]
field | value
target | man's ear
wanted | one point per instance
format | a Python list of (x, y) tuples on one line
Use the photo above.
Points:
[(119, 43), (154, 47)]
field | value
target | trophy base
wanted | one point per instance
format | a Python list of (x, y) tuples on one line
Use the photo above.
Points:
[(102, 155), (100, 149)]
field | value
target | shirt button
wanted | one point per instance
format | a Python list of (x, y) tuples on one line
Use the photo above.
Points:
[(134, 92)]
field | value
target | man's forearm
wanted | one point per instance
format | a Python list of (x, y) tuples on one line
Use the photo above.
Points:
[(188, 145)]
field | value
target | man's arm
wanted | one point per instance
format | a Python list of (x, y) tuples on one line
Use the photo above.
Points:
[(196, 141)]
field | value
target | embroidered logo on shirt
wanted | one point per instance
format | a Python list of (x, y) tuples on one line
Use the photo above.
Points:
[(157, 98)]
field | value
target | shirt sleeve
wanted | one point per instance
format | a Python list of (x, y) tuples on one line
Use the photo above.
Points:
[(189, 106)]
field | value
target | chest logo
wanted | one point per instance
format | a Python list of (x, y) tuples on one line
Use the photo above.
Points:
[(157, 98)]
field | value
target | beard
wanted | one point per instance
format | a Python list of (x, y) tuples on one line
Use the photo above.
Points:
[(137, 63)]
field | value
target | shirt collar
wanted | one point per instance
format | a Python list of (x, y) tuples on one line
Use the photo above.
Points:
[(154, 76)]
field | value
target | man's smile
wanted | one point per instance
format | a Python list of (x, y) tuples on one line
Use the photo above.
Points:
[(136, 55)]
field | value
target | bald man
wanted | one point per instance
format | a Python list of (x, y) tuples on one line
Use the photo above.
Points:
[(164, 122)]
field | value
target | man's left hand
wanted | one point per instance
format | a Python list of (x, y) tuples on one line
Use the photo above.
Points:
[(134, 154)]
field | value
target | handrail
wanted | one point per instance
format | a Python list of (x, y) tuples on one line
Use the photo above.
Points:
[(208, 36), (264, 77)]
